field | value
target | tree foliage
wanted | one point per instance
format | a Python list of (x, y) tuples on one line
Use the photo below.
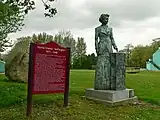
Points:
[(26, 5), (81, 60), (81, 47), (84, 62), (42, 37), (10, 21), (12, 13), (139, 54), (65, 38), (127, 49)]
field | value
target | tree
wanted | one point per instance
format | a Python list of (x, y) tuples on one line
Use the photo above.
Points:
[(27, 5), (12, 13), (4, 44), (10, 21), (65, 38), (155, 44), (42, 37), (84, 62), (81, 62), (81, 47), (92, 60), (140, 54), (80, 50), (128, 48)]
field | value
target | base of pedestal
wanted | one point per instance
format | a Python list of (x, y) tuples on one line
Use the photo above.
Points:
[(111, 97)]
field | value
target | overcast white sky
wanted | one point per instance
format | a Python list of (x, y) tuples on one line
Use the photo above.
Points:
[(133, 21)]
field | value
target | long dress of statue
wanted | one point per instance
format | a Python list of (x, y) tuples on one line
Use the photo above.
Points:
[(103, 47)]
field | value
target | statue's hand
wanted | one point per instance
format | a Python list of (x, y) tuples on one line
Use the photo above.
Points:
[(116, 49)]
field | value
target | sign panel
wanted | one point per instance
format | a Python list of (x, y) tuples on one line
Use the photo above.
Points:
[(48, 71), (49, 68)]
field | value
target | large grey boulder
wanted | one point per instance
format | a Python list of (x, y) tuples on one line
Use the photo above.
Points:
[(16, 67)]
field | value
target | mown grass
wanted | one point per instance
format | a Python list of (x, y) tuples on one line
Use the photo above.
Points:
[(146, 85), (50, 107)]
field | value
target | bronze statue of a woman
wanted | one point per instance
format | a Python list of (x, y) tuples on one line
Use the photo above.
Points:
[(103, 44)]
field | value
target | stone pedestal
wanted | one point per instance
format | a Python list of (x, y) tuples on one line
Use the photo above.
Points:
[(117, 77), (111, 97)]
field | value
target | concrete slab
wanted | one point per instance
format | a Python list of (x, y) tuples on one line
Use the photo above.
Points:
[(111, 97)]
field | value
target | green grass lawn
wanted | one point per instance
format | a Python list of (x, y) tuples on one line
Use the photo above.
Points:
[(50, 107)]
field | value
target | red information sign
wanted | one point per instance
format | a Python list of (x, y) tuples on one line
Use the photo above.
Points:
[(48, 71), (49, 68)]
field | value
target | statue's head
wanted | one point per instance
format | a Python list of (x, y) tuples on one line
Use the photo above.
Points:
[(104, 19)]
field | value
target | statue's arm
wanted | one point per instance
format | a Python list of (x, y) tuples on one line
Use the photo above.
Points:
[(113, 41), (96, 40)]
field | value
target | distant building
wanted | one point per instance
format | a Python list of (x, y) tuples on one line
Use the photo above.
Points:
[(2, 66), (154, 63)]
